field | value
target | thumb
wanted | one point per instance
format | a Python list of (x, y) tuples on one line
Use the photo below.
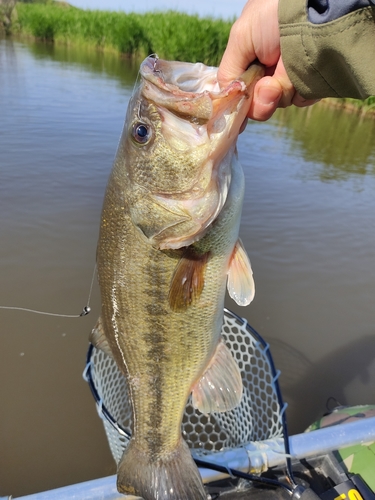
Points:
[(267, 94)]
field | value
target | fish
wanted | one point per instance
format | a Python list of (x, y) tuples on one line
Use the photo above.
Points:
[(168, 248)]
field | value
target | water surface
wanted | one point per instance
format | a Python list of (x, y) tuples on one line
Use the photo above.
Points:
[(308, 225)]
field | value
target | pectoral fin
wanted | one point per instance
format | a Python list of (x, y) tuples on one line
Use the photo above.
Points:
[(220, 387), (241, 287), (188, 280), (98, 339)]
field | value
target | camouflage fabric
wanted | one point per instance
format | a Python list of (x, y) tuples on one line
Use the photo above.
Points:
[(359, 459), (333, 59)]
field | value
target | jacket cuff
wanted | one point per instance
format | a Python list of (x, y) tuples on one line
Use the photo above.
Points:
[(334, 59)]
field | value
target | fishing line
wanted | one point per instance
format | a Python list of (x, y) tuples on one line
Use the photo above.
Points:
[(243, 475), (156, 57), (135, 84), (85, 311)]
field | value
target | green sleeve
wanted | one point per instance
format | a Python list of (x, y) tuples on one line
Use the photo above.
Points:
[(335, 59)]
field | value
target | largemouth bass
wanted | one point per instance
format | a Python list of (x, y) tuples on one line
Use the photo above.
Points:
[(168, 246)]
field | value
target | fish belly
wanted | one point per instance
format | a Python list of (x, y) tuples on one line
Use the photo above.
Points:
[(162, 352)]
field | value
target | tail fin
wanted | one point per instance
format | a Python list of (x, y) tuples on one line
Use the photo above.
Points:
[(171, 477)]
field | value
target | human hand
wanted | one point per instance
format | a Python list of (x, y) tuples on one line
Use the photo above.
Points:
[(255, 35)]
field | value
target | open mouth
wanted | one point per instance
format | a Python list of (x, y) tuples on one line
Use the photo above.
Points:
[(196, 113)]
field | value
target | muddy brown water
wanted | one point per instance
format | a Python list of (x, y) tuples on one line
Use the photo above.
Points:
[(308, 225)]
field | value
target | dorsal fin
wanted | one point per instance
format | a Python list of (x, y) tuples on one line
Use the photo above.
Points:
[(187, 280)]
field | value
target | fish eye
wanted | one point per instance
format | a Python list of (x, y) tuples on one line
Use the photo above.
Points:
[(141, 133)]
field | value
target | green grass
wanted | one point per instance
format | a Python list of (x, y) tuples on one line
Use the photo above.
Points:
[(171, 35)]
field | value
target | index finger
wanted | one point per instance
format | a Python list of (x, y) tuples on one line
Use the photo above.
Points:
[(238, 55)]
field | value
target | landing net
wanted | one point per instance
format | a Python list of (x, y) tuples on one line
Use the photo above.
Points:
[(258, 417)]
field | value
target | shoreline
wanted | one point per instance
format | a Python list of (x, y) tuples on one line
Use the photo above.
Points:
[(170, 34), (364, 108)]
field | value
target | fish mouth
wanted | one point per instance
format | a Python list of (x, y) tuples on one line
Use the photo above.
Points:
[(190, 89), (196, 113)]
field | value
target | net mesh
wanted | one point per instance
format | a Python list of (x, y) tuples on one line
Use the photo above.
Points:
[(256, 418)]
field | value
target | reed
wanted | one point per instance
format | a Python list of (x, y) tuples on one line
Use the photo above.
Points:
[(172, 35)]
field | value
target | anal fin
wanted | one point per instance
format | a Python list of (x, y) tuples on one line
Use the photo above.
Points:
[(220, 387), (188, 280), (241, 287), (98, 339)]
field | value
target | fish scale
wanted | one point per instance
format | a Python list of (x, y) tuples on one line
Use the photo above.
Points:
[(163, 262)]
